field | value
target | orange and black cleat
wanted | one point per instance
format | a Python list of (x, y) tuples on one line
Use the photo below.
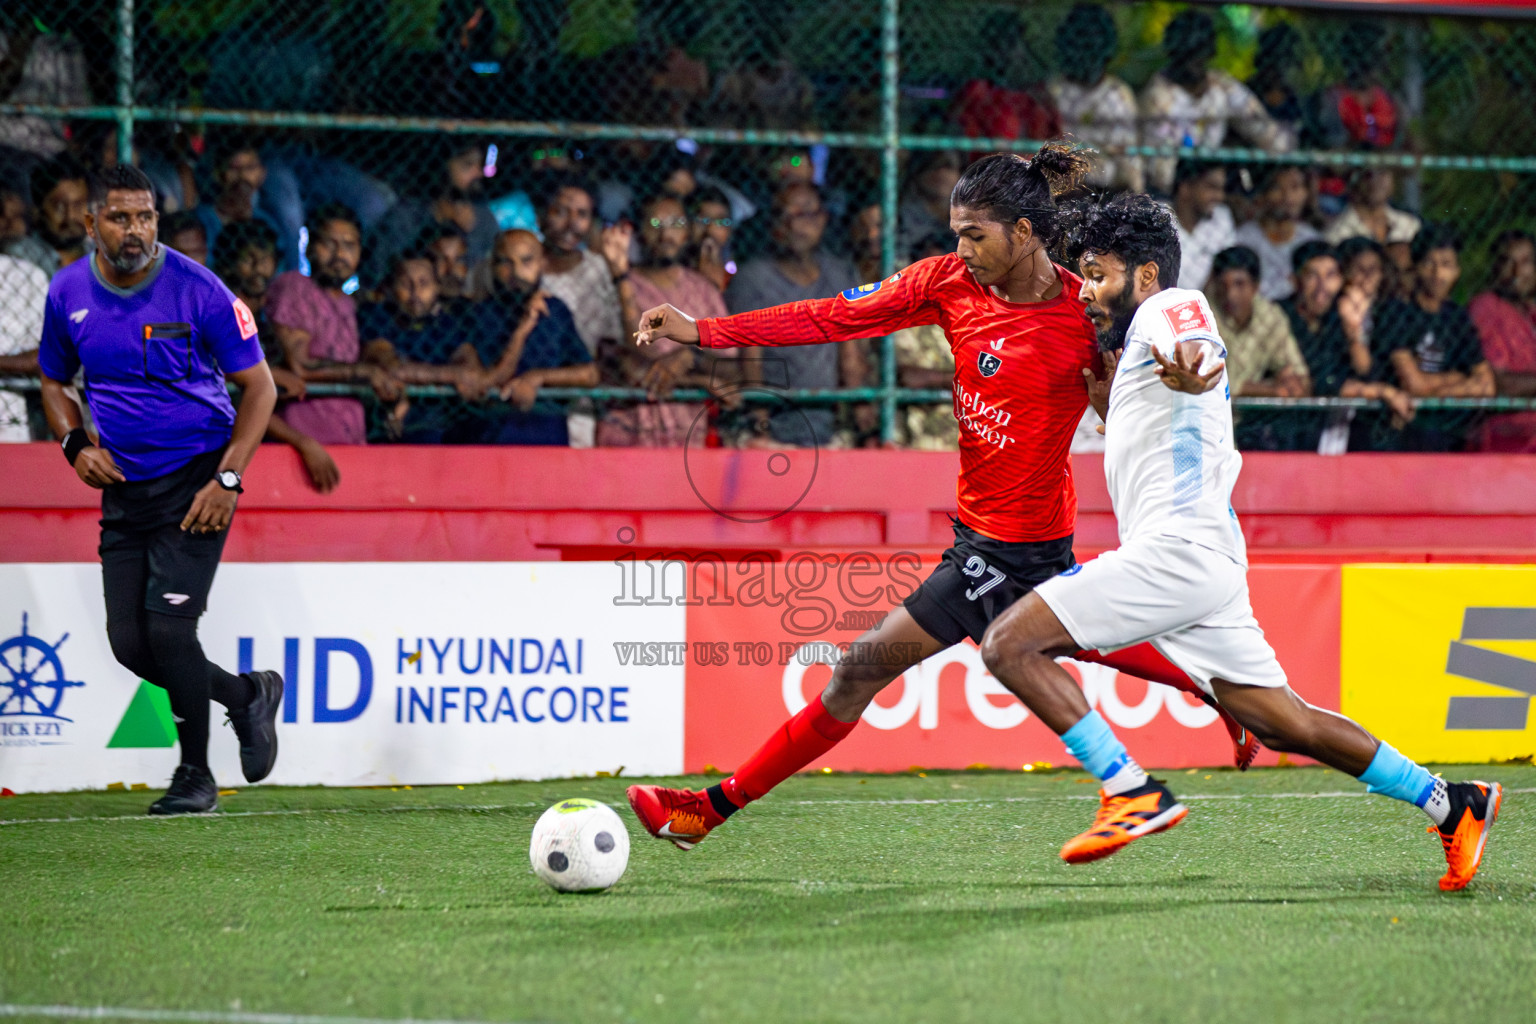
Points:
[(680, 816), (1474, 806), (1124, 818)]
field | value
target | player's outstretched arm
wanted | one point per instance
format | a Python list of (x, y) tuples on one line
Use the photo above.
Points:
[(1182, 372), (907, 299), (667, 321)]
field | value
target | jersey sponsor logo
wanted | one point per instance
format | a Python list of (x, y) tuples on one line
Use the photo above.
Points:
[(988, 363), (1187, 317), (78, 315), (979, 417), (862, 290), (245, 319)]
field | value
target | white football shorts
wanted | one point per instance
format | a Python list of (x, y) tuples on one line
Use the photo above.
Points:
[(1188, 601)]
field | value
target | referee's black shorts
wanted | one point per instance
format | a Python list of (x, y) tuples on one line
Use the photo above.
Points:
[(144, 548), (978, 578)]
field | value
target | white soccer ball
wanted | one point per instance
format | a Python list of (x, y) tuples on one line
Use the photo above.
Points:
[(579, 846)]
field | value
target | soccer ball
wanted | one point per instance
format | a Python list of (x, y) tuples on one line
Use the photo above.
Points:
[(579, 846)]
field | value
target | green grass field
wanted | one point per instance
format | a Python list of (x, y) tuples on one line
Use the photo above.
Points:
[(839, 898)]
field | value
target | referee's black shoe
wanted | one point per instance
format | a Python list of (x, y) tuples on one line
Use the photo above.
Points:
[(256, 725), (192, 791)]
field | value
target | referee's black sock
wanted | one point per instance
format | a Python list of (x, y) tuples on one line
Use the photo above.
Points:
[(182, 670), (228, 689)]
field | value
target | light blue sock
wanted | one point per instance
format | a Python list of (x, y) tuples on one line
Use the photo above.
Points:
[(1101, 752), (1391, 774)]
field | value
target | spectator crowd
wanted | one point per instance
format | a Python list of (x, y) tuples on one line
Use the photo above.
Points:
[(515, 267)]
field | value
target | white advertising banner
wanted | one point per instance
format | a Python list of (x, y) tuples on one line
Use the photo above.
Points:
[(395, 673)]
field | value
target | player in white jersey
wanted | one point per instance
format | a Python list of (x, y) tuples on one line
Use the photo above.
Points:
[(1179, 578)]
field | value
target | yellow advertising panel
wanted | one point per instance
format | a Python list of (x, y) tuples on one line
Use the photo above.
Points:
[(1440, 660)]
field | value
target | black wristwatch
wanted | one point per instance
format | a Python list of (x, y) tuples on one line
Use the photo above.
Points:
[(230, 481)]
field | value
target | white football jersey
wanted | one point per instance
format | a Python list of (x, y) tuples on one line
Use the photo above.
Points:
[(1169, 457)]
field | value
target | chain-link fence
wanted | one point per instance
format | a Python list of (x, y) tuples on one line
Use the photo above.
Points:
[(721, 137)]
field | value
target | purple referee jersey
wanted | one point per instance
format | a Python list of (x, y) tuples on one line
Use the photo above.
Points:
[(154, 355)]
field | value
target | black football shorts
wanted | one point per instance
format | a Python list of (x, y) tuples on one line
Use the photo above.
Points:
[(144, 546), (980, 577)]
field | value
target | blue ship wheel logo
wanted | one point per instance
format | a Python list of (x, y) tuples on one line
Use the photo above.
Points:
[(32, 679)]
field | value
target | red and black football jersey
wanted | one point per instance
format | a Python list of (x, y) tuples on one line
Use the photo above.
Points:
[(1018, 388)]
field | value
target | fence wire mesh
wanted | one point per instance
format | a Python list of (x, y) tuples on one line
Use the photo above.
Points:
[(735, 138)]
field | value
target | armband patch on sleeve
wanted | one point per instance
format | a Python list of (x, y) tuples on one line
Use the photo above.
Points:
[(244, 318), (869, 289), (1187, 318)]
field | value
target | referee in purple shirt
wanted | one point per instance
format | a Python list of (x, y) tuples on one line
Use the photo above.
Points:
[(157, 335)]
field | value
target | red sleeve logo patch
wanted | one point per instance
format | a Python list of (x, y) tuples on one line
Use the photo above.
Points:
[(1186, 317), (244, 318)]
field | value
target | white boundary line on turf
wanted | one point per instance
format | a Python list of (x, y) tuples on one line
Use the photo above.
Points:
[(914, 802), (198, 1016), (1094, 796), (278, 813)]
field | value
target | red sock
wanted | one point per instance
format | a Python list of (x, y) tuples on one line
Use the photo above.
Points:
[(1145, 662), (800, 741)]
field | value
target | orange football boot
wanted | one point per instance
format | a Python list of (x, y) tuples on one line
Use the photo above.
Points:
[(1124, 818), (680, 816), (1474, 806)]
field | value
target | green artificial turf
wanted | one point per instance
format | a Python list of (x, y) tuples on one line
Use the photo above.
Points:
[(839, 898)]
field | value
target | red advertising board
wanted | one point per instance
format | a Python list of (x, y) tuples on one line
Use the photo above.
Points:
[(753, 661)]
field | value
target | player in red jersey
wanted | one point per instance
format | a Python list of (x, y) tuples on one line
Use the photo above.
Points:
[(1023, 349)]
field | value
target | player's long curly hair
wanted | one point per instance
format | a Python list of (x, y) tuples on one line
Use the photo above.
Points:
[(1010, 188), (1132, 226)]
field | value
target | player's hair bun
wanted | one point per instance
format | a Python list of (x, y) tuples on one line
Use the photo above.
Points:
[(1010, 188), (1064, 167)]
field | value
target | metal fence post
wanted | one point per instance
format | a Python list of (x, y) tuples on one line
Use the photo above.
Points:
[(124, 110), (890, 124), (1413, 99)]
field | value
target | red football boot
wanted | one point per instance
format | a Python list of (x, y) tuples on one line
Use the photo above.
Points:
[(680, 816), (1244, 747)]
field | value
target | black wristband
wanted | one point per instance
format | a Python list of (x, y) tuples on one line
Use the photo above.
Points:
[(74, 443)]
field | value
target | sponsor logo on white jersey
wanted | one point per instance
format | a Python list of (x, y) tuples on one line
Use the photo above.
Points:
[(1187, 317)]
